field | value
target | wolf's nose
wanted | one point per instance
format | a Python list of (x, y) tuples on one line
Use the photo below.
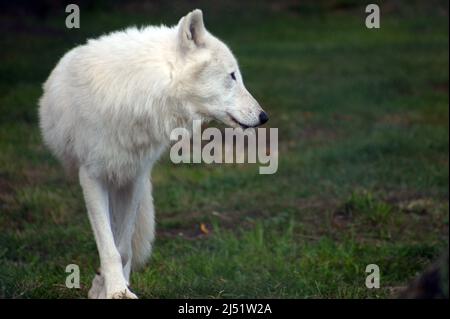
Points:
[(263, 118)]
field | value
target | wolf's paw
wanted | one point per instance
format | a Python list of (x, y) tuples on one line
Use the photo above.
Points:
[(97, 289), (121, 294)]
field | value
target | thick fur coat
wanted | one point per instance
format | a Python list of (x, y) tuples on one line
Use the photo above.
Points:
[(107, 112)]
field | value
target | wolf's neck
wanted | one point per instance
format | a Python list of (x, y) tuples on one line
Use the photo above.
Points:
[(164, 118)]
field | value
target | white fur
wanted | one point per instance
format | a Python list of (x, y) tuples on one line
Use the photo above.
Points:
[(107, 112)]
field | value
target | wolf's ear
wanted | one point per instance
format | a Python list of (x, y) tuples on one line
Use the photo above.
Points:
[(191, 31)]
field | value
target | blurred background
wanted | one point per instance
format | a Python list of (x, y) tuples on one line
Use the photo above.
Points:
[(363, 156)]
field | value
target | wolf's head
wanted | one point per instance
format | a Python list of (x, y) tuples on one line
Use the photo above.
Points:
[(210, 79)]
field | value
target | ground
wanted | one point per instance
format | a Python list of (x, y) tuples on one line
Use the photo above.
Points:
[(363, 163)]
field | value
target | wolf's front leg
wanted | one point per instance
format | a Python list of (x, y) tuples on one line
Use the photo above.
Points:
[(97, 290), (124, 205), (96, 196)]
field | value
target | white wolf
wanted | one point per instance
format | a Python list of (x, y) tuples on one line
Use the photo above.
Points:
[(107, 112)]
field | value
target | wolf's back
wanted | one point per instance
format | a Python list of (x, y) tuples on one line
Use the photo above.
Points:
[(56, 118)]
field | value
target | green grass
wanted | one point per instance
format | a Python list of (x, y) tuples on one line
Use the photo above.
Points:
[(363, 167)]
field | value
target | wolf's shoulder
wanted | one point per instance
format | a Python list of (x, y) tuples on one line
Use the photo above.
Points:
[(133, 36)]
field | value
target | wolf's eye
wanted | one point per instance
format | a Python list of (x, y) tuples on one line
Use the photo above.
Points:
[(233, 76)]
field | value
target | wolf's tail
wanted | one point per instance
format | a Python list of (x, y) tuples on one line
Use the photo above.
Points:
[(144, 230)]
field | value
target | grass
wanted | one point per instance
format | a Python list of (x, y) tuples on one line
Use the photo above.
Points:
[(363, 167)]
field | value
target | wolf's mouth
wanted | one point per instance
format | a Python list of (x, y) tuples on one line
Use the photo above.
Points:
[(244, 126)]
